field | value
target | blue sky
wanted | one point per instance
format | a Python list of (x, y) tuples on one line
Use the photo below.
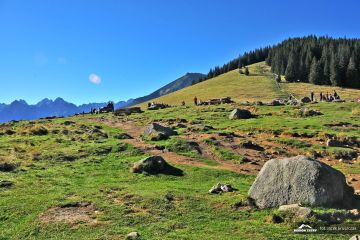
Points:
[(132, 47)]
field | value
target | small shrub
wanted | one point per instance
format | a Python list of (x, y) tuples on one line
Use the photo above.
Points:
[(39, 131)]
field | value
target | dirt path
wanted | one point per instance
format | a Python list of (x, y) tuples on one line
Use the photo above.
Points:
[(135, 131)]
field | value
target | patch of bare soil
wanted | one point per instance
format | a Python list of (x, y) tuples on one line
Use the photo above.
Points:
[(71, 213)]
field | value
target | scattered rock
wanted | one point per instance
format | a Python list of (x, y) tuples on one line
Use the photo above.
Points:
[(306, 112), (221, 187), (305, 100), (155, 165), (252, 145), (156, 129), (297, 211), (333, 143), (240, 114), (123, 136), (6, 184), (97, 133), (276, 102), (300, 180), (133, 236)]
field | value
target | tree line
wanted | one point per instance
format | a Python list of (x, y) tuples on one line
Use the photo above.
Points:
[(317, 60), (258, 55)]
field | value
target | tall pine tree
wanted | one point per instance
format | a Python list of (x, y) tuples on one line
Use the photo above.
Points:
[(291, 72), (352, 75), (335, 76), (315, 76)]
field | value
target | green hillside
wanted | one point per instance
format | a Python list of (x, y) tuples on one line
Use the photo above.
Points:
[(260, 85)]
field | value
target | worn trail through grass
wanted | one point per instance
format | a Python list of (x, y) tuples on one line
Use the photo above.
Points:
[(135, 131)]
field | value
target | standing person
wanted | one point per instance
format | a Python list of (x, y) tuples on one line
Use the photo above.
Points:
[(195, 100), (321, 96), (327, 96), (183, 103), (312, 96), (335, 95)]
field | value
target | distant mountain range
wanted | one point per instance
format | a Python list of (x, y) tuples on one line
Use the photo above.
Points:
[(180, 83), (21, 110)]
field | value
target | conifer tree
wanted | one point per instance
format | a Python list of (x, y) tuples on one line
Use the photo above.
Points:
[(352, 75), (315, 76), (291, 69)]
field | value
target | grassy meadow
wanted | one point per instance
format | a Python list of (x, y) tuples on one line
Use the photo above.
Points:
[(59, 163)]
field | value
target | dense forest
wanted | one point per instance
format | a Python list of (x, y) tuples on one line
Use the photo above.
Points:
[(318, 60)]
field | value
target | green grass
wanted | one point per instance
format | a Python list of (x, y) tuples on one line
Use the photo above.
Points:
[(71, 162), (240, 87), (102, 177)]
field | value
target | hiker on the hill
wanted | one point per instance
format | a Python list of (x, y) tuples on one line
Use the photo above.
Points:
[(195, 101), (149, 104), (183, 103), (321, 96), (290, 97), (336, 96), (331, 98), (312, 96), (327, 96)]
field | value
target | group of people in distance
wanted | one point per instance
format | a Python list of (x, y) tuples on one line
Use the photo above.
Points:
[(325, 97)]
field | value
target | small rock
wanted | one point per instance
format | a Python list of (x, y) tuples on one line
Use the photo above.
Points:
[(306, 112), (155, 128), (220, 187), (252, 145), (240, 114), (299, 212), (151, 165), (333, 143), (154, 165), (305, 100), (276, 102), (133, 236)]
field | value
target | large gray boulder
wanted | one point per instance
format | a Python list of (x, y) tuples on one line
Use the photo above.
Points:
[(299, 180), (156, 128), (240, 114)]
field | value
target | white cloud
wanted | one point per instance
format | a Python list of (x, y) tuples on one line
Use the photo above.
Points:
[(94, 78)]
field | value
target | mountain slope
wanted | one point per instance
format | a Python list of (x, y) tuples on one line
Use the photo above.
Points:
[(180, 83), (260, 85)]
